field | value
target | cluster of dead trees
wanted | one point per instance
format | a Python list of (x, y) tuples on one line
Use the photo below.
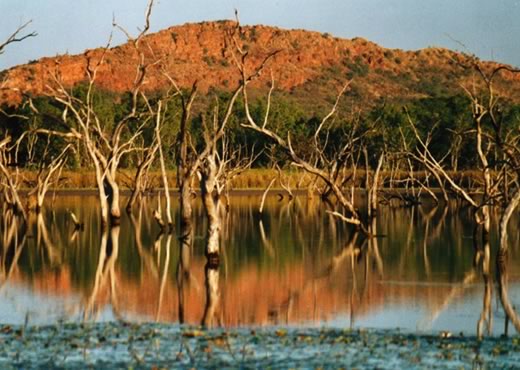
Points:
[(202, 155)]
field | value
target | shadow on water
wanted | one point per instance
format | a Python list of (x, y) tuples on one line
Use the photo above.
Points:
[(293, 264)]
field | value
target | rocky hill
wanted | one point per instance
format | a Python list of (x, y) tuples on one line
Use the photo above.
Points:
[(310, 66)]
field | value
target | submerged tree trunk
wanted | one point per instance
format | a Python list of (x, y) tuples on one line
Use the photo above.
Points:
[(113, 199), (163, 169), (103, 199), (186, 207), (207, 186), (373, 191)]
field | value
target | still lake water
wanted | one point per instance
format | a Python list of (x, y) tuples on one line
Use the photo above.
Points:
[(293, 265)]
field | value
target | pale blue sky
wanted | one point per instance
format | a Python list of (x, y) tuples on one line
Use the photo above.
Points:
[(487, 28)]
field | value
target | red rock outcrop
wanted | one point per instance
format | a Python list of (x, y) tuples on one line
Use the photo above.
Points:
[(316, 63)]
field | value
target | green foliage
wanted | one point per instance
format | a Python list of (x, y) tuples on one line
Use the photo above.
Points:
[(388, 54), (253, 36), (450, 116), (441, 117), (209, 60), (21, 120), (358, 67)]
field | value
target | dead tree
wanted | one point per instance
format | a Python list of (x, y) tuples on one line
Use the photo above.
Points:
[(105, 144), (502, 261), (17, 37), (163, 168), (330, 168), (10, 180), (285, 186), (480, 202), (49, 165), (213, 133), (208, 184), (231, 163), (187, 165), (203, 160), (507, 143), (331, 171), (486, 110), (49, 162), (139, 183)]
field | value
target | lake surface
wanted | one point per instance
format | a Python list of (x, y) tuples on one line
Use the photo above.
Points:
[(293, 265)]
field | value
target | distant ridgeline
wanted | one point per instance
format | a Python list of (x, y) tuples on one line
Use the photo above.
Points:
[(388, 88)]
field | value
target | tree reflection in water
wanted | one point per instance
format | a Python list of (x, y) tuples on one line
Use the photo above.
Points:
[(292, 264)]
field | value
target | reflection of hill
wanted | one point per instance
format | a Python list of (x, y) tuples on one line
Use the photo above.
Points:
[(294, 268), (256, 297)]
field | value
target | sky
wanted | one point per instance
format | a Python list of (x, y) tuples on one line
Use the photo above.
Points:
[(487, 28)]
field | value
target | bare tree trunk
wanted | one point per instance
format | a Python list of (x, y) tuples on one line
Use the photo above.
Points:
[(487, 180), (163, 169), (264, 195), (185, 169), (46, 174), (113, 199), (137, 191), (9, 180), (140, 174), (373, 190), (186, 206), (207, 186), (103, 201)]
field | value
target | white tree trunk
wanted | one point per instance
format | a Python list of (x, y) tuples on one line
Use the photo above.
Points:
[(207, 184), (114, 199)]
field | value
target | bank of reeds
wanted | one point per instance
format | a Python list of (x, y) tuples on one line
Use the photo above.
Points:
[(251, 179)]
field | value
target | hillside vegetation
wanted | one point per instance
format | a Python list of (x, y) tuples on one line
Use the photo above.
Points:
[(309, 67)]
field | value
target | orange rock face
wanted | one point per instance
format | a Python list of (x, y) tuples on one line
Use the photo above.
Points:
[(202, 52)]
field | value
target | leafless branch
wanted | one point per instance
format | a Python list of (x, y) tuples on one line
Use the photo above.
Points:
[(16, 37)]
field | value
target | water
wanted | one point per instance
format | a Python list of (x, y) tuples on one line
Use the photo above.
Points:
[(294, 265)]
